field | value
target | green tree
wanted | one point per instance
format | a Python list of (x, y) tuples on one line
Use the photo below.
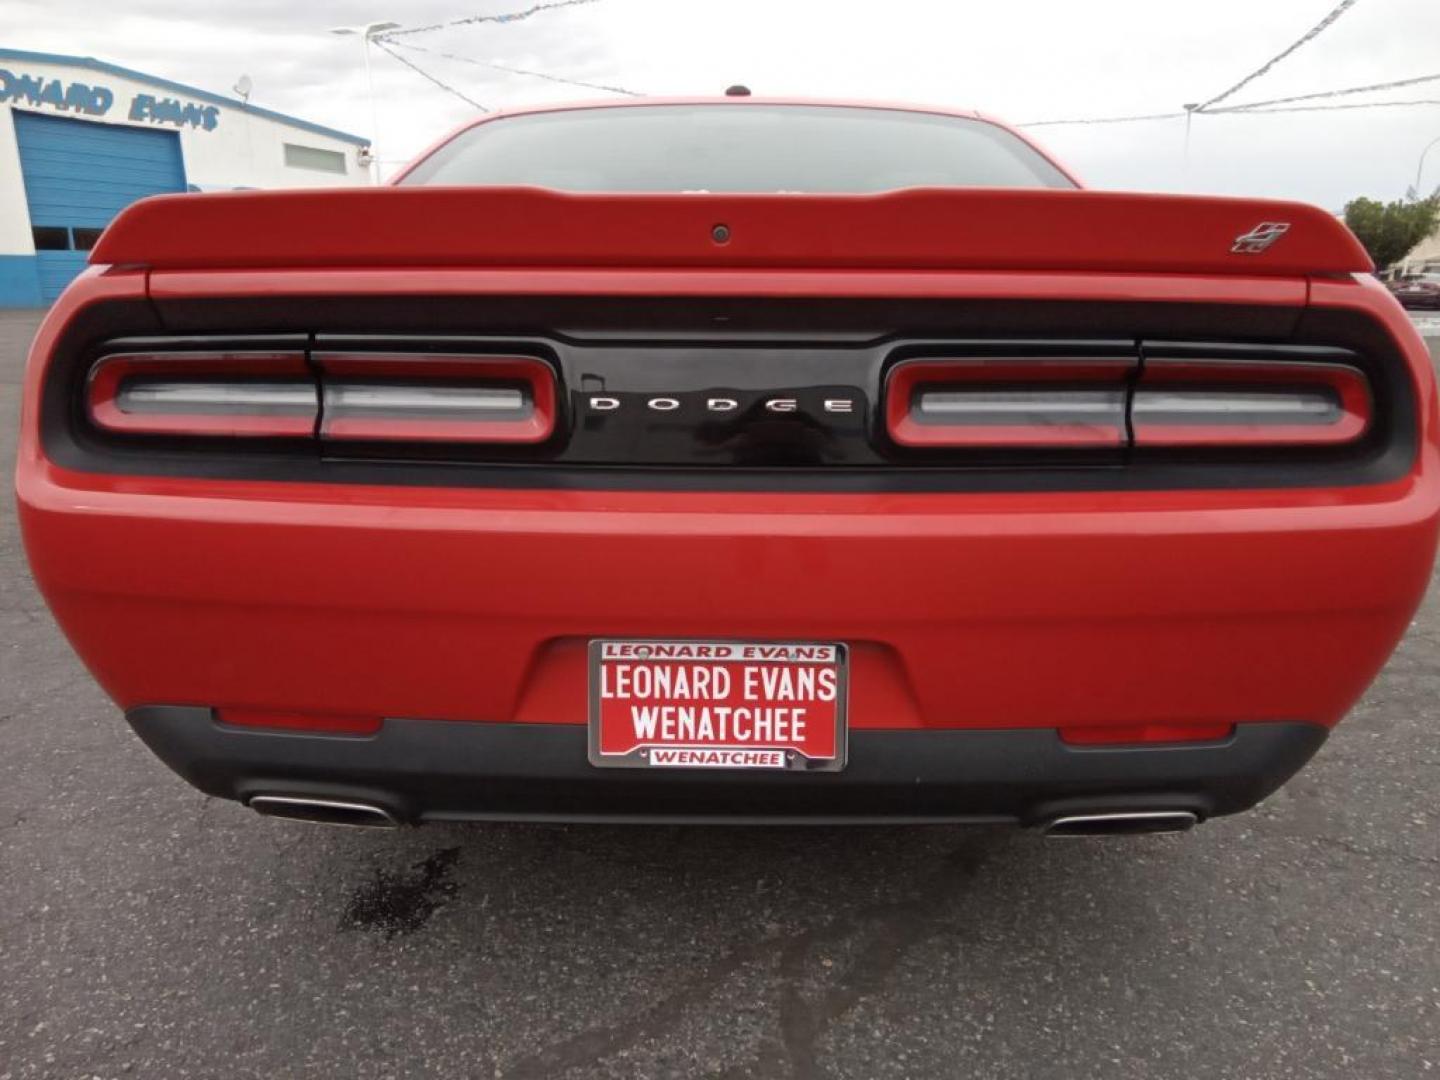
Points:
[(1390, 230)]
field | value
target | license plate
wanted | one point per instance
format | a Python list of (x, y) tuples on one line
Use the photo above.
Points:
[(718, 705)]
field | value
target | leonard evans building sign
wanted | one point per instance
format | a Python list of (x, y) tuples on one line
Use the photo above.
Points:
[(87, 100)]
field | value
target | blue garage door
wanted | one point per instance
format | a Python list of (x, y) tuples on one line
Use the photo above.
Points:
[(79, 175)]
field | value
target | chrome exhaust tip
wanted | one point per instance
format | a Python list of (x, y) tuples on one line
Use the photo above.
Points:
[(1122, 823), (324, 811)]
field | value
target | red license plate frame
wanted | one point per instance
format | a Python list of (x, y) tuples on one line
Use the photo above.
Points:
[(660, 703)]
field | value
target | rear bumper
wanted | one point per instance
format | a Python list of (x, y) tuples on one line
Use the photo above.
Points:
[(421, 770), (960, 612)]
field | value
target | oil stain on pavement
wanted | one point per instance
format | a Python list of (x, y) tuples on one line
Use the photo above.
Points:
[(401, 902)]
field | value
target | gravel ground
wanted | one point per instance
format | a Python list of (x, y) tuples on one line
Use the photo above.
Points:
[(148, 931)]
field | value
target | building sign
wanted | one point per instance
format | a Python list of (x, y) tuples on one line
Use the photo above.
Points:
[(172, 111), (78, 97)]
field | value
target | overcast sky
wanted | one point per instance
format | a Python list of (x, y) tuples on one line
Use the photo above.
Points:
[(1035, 60)]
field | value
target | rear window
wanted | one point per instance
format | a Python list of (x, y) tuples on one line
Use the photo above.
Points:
[(737, 148)]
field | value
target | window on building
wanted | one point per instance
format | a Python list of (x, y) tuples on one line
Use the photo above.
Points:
[(312, 157), (85, 239), (51, 237)]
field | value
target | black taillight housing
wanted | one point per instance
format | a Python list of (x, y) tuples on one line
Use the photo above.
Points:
[(1328, 401)]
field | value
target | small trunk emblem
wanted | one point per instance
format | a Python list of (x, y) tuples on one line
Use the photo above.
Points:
[(1259, 238)]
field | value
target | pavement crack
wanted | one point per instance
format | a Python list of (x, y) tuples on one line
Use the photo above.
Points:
[(596, 1043), (893, 930), (1376, 854), (893, 927)]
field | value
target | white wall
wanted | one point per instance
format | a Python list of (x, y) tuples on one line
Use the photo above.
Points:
[(244, 149), (1424, 252), (14, 214), (251, 153)]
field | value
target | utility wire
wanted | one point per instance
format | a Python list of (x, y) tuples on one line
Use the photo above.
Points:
[(521, 71), (1102, 119), (1274, 105), (1259, 106), (1328, 108), (1310, 35), (1327, 94), (507, 17), (426, 75)]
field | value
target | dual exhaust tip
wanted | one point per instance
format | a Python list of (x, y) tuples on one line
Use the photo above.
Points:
[(1122, 823), (324, 811), (371, 815)]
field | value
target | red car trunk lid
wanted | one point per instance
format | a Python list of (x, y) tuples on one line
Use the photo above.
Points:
[(913, 229)]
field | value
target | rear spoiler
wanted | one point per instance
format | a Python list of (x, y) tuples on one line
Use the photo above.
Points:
[(919, 229)]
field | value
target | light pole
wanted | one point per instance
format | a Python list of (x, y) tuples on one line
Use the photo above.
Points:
[(1420, 166), (367, 34)]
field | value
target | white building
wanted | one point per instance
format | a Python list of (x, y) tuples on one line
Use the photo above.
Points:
[(1423, 258), (81, 139)]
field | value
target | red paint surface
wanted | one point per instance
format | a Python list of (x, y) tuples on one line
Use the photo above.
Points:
[(980, 228), (683, 281)]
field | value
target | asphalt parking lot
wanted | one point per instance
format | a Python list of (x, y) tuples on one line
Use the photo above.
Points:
[(148, 931)]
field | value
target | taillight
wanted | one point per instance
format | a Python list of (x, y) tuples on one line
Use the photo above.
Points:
[(436, 398), (1008, 402), (337, 396), (223, 394), (1248, 403)]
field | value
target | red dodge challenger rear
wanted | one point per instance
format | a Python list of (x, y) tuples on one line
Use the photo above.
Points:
[(731, 460)]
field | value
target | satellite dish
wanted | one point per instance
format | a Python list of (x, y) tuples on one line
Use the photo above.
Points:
[(243, 86)]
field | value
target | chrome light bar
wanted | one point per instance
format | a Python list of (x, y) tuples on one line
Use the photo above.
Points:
[(1032, 406), (399, 401), (162, 396), (1238, 406)]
